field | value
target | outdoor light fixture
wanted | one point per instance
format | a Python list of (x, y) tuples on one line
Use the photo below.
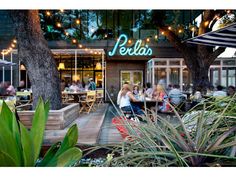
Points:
[(48, 13), (98, 66), (74, 41), (61, 66), (59, 25), (22, 67), (77, 21)]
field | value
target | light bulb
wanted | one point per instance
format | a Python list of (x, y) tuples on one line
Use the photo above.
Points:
[(169, 28), (77, 21), (148, 40), (14, 41), (74, 40), (48, 13), (80, 46), (129, 41), (59, 25)]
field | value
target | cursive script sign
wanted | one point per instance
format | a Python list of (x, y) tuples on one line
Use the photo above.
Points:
[(137, 50)]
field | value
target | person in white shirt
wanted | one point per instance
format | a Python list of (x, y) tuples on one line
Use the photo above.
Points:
[(125, 96), (219, 93), (74, 87), (149, 90)]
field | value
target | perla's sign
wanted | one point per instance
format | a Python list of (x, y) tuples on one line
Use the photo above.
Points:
[(137, 50)]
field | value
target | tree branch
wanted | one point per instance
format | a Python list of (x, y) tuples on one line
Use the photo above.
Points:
[(215, 54)]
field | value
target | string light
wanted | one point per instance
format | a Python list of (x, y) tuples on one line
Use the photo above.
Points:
[(180, 31), (77, 21), (169, 28), (61, 10), (74, 41), (66, 33), (48, 13), (193, 29), (86, 49), (80, 46), (228, 11), (14, 41), (59, 25), (13, 45), (129, 41), (91, 51), (105, 36), (95, 53), (163, 33), (148, 40), (156, 36)]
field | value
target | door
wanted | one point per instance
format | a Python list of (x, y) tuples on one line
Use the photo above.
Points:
[(132, 77)]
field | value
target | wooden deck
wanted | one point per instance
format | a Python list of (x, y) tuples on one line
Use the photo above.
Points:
[(90, 126)]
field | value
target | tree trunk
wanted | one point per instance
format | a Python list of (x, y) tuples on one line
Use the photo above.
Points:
[(200, 79), (35, 54)]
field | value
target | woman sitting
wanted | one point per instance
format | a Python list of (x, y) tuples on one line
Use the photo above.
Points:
[(160, 95), (124, 99), (136, 91)]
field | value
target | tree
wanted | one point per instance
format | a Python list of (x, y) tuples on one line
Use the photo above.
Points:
[(36, 56), (198, 58)]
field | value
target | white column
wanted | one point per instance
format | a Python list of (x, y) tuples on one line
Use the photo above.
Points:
[(19, 73), (3, 69), (11, 70), (75, 66), (103, 68)]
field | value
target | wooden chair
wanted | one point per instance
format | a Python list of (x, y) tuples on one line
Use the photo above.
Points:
[(88, 104), (99, 97), (66, 98), (23, 98)]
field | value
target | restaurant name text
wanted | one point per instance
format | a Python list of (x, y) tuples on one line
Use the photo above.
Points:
[(136, 50)]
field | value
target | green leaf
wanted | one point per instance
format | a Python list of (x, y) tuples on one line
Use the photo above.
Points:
[(49, 155), (6, 114), (70, 139), (6, 160), (38, 127), (68, 158), (27, 147), (8, 143)]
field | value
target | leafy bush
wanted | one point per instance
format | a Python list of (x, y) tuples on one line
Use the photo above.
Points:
[(205, 137), (21, 147)]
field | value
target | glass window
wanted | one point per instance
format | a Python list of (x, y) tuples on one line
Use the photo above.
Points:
[(160, 76), (228, 62), (174, 76), (132, 77), (186, 79), (175, 63), (217, 62), (160, 62)]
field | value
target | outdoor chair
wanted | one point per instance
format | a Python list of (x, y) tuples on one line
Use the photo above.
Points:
[(23, 98), (99, 97), (88, 104), (66, 98)]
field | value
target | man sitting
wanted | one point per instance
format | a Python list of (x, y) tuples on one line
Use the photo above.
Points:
[(175, 95), (219, 93)]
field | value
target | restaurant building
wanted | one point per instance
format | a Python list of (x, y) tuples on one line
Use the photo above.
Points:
[(133, 56)]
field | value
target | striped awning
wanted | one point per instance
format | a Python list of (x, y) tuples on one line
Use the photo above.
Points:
[(224, 37)]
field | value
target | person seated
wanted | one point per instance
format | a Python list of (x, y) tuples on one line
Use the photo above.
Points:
[(219, 93), (10, 89), (176, 96), (136, 91), (74, 87), (160, 95), (231, 91), (21, 86), (124, 101), (148, 92), (79, 85)]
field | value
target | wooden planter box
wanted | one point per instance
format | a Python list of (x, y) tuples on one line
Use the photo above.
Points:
[(57, 119)]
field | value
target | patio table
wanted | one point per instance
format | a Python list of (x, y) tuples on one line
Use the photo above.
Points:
[(76, 95)]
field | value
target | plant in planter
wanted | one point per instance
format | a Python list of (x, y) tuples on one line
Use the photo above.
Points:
[(204, 137), (21, 147)]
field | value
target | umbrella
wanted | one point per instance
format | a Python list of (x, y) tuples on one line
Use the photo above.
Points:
[(6, 63), (224, 37)]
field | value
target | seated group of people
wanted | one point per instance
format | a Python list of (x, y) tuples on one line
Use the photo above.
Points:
[(127, 97), (78, 86)]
